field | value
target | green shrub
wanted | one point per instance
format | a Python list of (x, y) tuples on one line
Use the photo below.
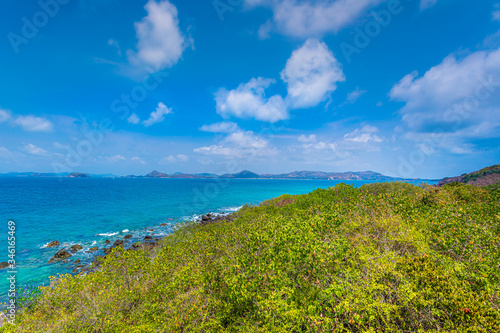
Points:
[(388, 257)]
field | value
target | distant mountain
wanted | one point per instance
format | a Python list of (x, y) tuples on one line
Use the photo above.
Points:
[(242, 174), (78, 175), (156, 174), (483, 177), (246, 174)]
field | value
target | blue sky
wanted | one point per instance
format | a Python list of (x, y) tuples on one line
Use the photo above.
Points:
[(405, 88)]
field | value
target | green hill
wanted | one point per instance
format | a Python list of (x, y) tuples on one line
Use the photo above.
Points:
[(387, 257), (484, 177)]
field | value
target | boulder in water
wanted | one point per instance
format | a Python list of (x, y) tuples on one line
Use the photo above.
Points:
[(60, 255), (75, 248), (53, 244)]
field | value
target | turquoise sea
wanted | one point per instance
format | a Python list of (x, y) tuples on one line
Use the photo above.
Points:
[(88, 211)]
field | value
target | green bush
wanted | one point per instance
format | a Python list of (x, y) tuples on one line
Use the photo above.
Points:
[(388, 257)]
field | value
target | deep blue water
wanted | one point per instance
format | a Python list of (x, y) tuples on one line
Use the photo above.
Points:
[(88, 211)]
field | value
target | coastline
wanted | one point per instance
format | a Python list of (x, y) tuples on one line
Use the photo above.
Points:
[(148, 242)]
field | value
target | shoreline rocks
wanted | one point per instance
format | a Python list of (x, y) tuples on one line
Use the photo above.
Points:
[(148, 243), (75, 248), (60, 255), (52, 244)]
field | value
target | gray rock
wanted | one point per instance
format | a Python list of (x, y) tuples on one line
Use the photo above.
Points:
[(75, 248), (60, 255)]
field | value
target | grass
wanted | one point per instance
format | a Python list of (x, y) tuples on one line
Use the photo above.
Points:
[(388, 257)]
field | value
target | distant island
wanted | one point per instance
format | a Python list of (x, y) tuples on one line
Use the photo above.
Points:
[(78, 175), (246, 174)]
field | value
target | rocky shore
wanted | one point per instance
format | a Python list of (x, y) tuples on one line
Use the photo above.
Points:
[(148, 242)]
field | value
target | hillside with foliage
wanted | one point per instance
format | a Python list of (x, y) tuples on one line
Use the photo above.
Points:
[(484, 177), (388, 257)]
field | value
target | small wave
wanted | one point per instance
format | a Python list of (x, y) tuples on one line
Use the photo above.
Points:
[(108, 234), (93, 243), (232, 209), (125, 230)]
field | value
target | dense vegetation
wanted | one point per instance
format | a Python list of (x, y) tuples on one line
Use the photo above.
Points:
[(387, 257), (485, 177)]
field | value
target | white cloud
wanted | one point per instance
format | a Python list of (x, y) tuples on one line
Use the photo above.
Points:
[(240, 144), (248, 100), (174, 159), (4, 115), (4, 152), (33, 124), (445, 90), (454, 102), (424, 4), (307, 139), (311, 75), (312, 18), (133, 119), (214, 150), (113, 159), (222, 127), (160, 41), (364, 135), (34, 150), (115, 44), (57, 145), (353, 96), (496, 15), (157, 116), (138, 160)]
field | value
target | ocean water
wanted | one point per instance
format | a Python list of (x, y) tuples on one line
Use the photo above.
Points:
[(88, 211)]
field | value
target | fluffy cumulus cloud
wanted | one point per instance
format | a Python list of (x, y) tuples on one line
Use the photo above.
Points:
[(304, 19), (133, 119), (222, 127), (248, 100), (311, 75), (240, 144), (33, 124), (34, 150), (364, 135), (158, 115), (456, 100), (160, 41), (307, 139), (332, 147)]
